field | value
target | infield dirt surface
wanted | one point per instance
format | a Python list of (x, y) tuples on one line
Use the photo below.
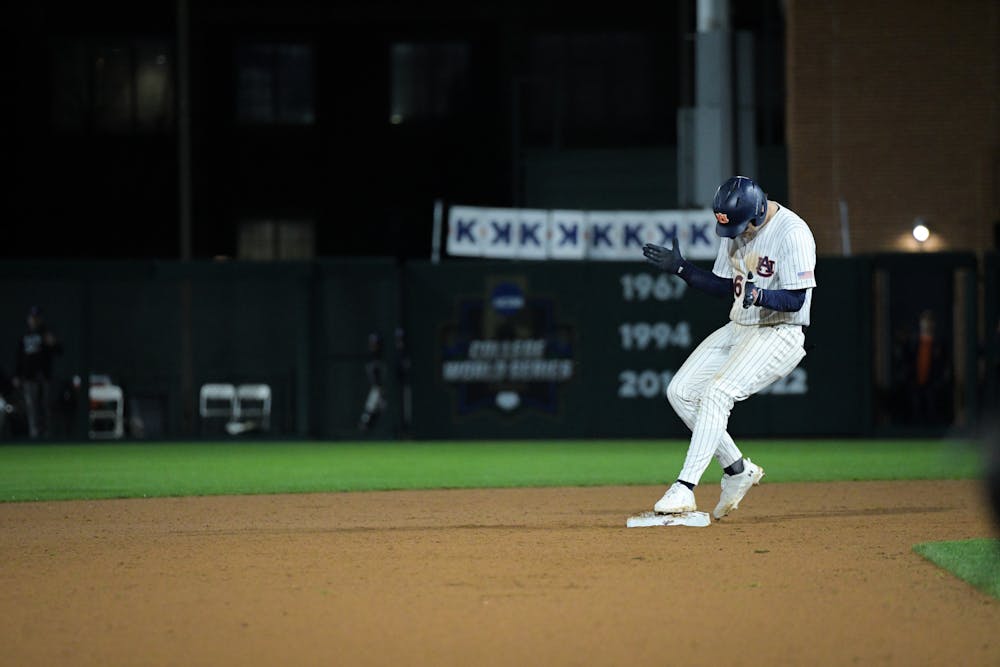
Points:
[(801, 574)]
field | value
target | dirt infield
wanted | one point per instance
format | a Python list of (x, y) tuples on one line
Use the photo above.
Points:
[(802, 574)]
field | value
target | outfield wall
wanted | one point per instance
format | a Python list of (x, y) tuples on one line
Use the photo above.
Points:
[(499, 349), (613, 335)]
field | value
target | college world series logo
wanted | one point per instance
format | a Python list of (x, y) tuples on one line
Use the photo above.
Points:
[(505, 352)]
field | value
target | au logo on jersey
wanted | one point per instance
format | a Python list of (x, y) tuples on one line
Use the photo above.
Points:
[(765, 267), (506, 352)]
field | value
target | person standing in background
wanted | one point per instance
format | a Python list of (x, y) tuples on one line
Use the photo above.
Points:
[(404, 368), (36, 349), (931, 369), (6, 408), (375, 401)]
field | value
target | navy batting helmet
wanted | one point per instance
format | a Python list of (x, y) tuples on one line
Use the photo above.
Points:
[(738, 202)]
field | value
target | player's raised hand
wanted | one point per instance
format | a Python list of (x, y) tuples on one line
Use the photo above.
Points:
[(669, 260)]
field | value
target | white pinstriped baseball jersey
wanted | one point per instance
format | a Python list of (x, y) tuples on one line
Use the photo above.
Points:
[(781, 255)]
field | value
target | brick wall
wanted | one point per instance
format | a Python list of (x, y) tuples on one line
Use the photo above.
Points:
[(893, 106)]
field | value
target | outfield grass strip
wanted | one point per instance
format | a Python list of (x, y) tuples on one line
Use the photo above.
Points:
[(974, 561), (142, 469)]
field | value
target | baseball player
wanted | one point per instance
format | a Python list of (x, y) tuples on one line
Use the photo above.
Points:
[(766, 268)]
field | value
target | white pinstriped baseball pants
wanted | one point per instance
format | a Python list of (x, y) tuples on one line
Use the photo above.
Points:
[(731, 364)]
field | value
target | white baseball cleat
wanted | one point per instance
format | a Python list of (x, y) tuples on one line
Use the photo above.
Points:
[(734, 487), (676, 500)]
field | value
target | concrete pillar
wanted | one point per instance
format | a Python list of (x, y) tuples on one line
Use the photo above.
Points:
[(716, 137)]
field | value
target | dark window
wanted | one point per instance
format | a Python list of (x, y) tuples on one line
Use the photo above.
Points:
[(275, 84), (119, 86), (428, 80), (765, 21), (276, 240), (594, 89)]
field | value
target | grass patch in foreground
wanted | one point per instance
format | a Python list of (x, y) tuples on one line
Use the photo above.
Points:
[(157, 469), (974, 561)]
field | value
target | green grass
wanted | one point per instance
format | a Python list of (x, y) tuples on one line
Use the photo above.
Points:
[(975, 561), (136, 469)]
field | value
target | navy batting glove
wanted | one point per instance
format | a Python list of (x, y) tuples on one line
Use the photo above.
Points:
[(670, 260), (751, 295)]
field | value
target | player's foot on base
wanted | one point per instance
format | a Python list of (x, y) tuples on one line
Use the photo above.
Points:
[(735, 487), (676, 500)]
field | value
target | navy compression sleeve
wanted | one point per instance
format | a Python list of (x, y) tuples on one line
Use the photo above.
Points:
[(706, 281), (784, 300)]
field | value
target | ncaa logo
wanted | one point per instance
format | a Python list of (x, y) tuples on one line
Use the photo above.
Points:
[(507, 298)]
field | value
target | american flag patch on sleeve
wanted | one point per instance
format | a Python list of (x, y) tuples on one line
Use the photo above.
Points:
[(805, 275)]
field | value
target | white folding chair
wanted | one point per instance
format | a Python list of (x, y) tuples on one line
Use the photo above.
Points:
[(217, 399), (107, 411), (253, 401)]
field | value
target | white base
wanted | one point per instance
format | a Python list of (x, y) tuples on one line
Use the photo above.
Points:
[(648, 519)]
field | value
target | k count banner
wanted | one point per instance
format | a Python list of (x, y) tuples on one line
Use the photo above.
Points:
[(537, 234)]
